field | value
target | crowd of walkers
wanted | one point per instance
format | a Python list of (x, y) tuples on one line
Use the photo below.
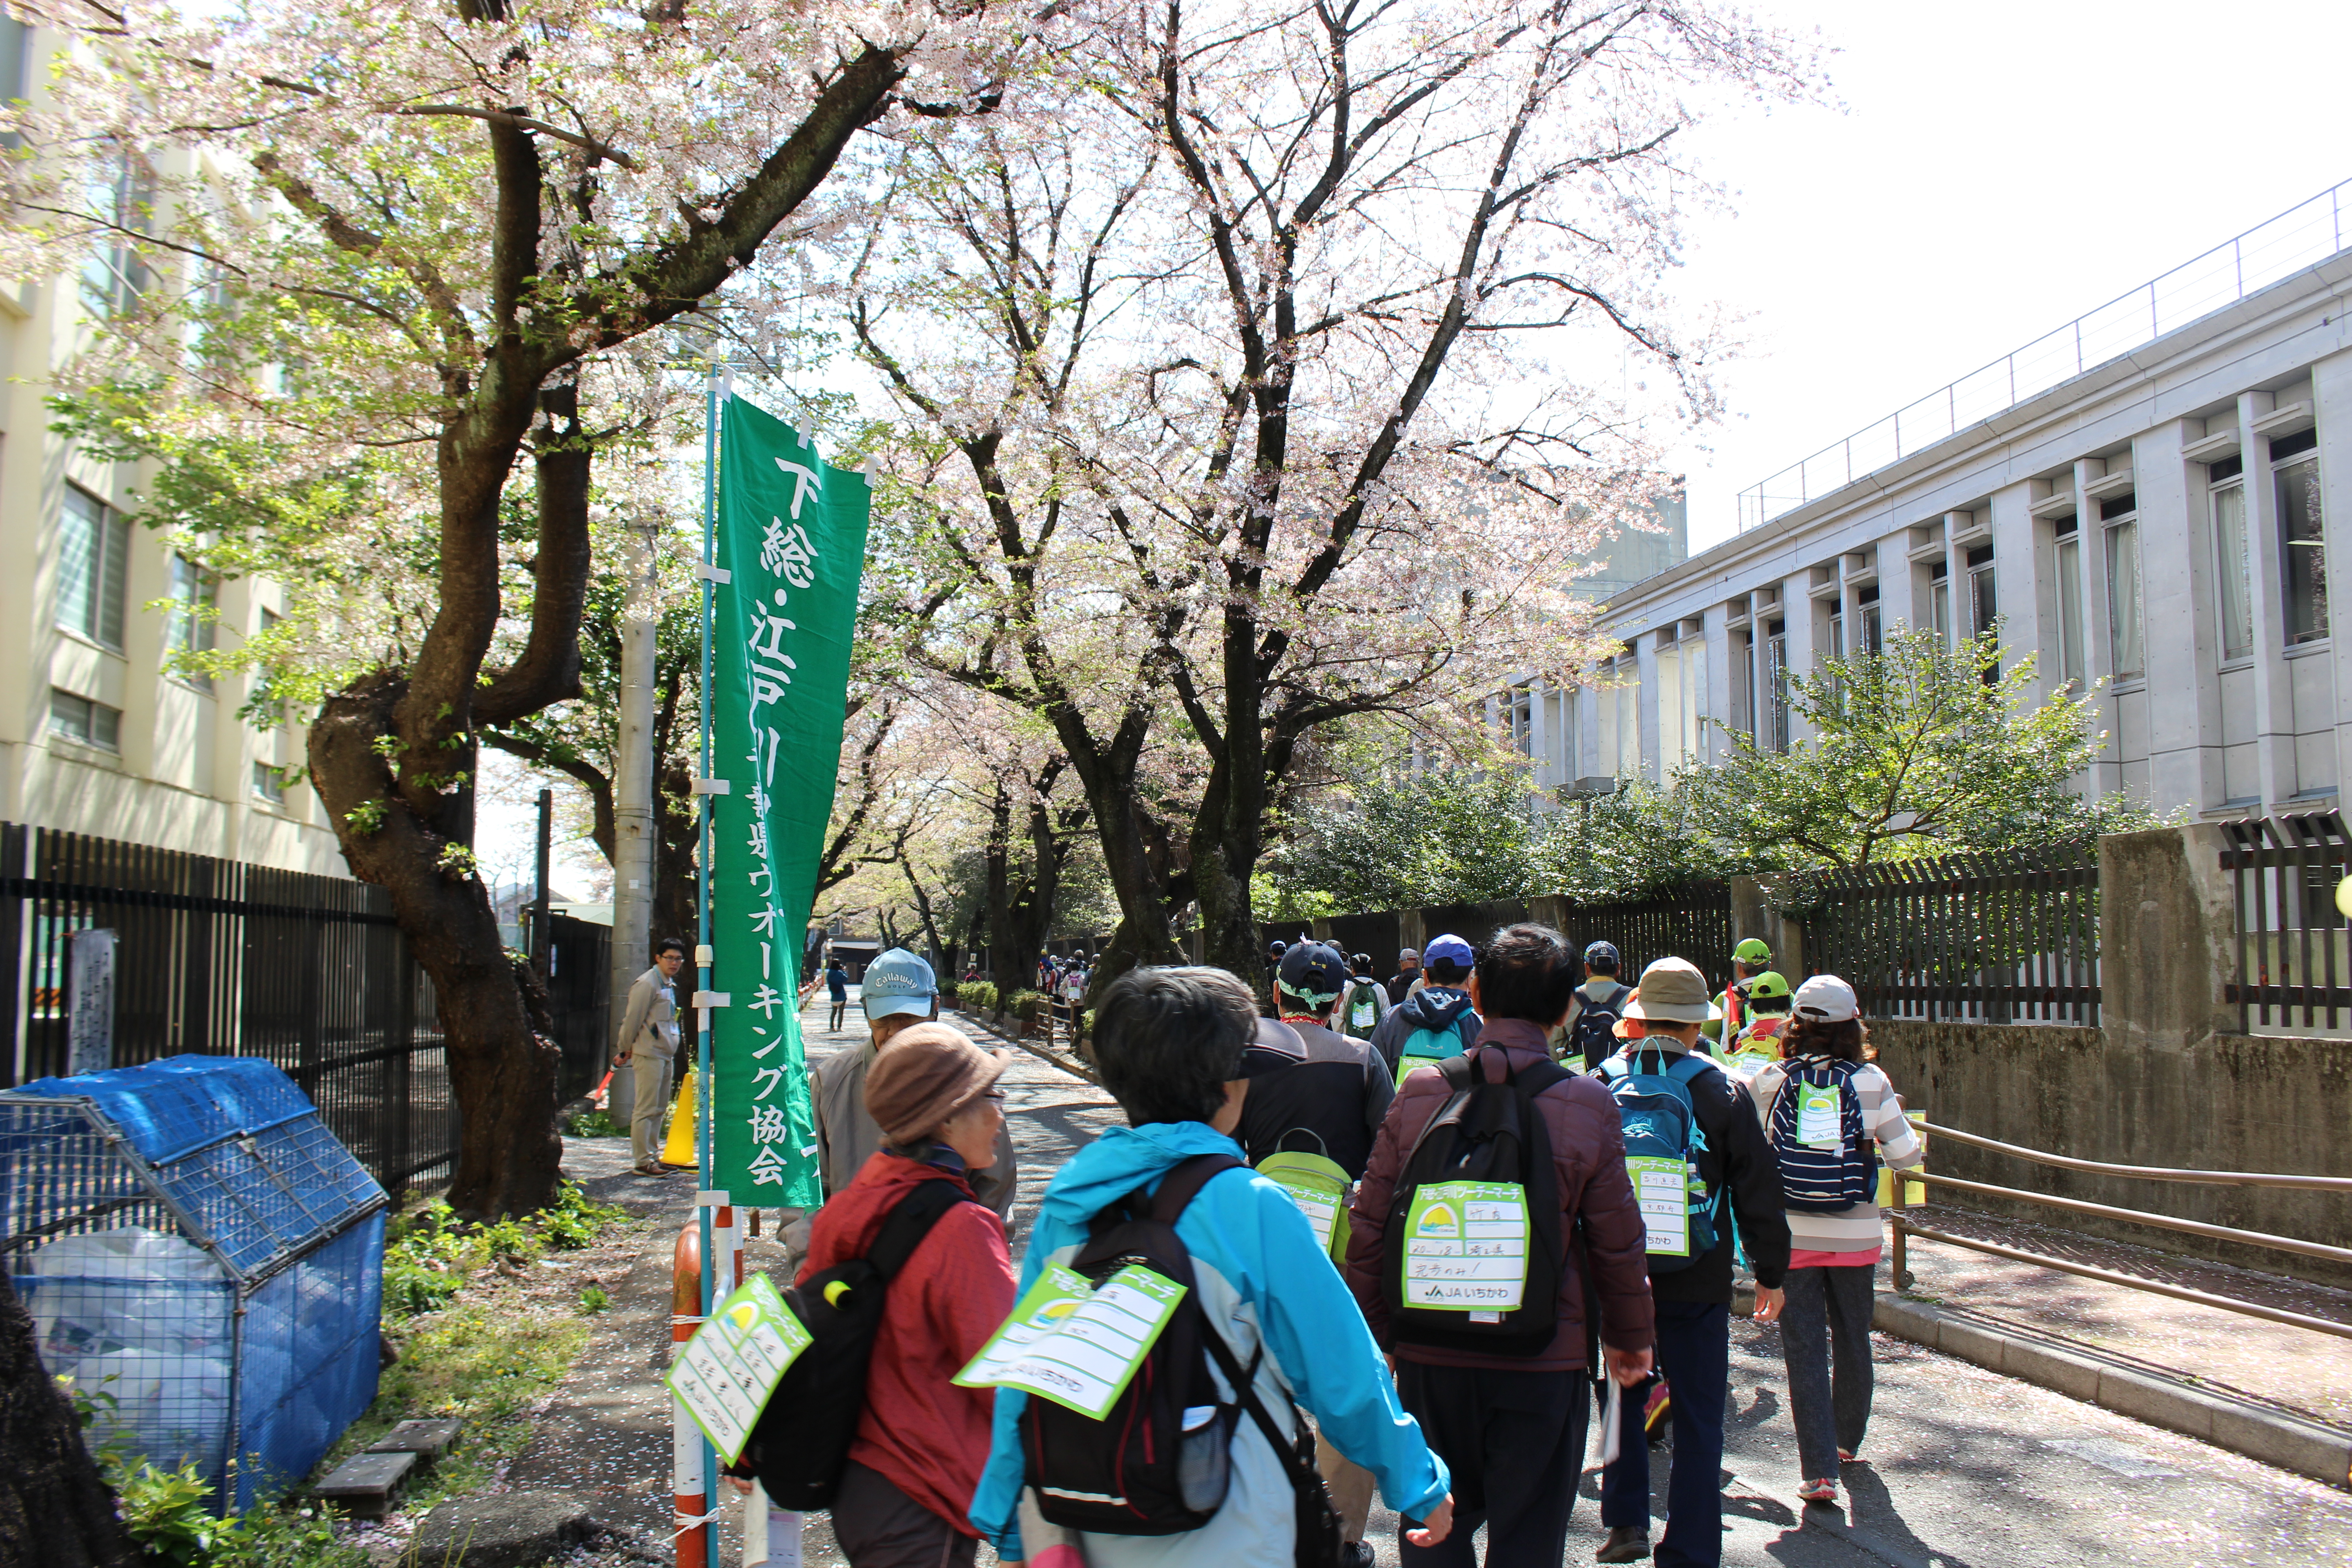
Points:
[(1455, 1236)]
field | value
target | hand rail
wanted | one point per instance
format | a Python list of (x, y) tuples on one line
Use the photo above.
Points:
[(2150, 1173), (2138, 1217)]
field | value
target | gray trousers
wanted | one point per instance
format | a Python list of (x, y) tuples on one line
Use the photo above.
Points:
[(878, 1526), (1825, 1347), (648, 1114)]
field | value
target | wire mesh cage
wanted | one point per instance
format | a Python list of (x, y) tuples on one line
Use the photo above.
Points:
[(202, 1256)]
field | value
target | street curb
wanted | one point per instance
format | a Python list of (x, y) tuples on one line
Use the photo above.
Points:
[(2306, 1448)]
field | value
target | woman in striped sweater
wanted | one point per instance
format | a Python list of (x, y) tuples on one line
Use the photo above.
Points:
[(1834, 1256)]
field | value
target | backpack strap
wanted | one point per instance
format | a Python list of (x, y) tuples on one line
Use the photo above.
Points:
[(911, 1220), (1183, 1184)]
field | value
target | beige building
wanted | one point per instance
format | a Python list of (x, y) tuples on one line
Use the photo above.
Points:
[(96, 734)]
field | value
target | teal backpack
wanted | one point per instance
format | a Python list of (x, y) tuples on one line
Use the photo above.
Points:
[(1428, 1047), (1662, 1138)]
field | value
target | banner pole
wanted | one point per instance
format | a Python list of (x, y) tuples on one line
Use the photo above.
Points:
[(705, 967)]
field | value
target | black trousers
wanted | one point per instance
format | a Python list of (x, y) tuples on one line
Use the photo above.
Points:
[(879, 1526), (1515, 1443)]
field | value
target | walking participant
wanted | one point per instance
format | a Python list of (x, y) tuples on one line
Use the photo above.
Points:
[(1438, 1020), (837, 986), (1680, 1112), (1589, 1037), (1408, 975), (1310, 1126), (1748, 960), (1824, 1108), (898, 993), (1498, 1380), (1764, 1003), (648, 1047), (1173, 1048), (916, 1458), (1364, 1003)]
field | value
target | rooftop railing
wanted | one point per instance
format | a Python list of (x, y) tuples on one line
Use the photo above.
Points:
[(2302, 235)]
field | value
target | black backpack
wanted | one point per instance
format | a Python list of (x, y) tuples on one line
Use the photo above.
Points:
[(1484, 1132), (1140, 1470), (800, 1446), (1593, 1037)]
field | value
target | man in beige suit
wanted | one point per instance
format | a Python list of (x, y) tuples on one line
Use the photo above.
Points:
[(648, 1045)]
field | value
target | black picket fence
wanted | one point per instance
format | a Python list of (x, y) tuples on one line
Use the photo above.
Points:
[(220, 958), (2294, 964), (2004, 937), (580, 999), (1691, 920)]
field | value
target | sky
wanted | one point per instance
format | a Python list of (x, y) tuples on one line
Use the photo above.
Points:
[(1981, 183), (1980, 175)]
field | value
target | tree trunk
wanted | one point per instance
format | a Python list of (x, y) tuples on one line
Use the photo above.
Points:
[(501, 1071), (677, 834), (55, 1508)]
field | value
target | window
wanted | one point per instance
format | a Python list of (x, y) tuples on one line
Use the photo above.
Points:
[(1629, 719), (2233, 570), (1743, 683), (1517, 716), (114, 276), (1776, 686), (93, 558), (1837, 633), (195, 593), (2126, 652), (269, 784), (1939, 602), (80, 718), (1984, 608), (2301, 539), (1870, 638), (2071, 671)]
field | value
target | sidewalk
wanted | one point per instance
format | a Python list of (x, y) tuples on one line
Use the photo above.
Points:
[(2294, 1370)]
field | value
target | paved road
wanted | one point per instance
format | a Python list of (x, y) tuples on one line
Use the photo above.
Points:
[(1967, 1469)]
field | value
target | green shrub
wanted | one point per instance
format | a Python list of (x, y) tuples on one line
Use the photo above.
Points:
[(575, 1218), (977, 996), (595, 1124), (1024, 1004)]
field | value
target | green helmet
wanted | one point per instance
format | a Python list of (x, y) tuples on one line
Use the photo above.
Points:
[(1768, 986), (1752, 950)]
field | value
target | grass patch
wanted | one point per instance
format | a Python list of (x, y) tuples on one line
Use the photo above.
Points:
[(595, 1124)]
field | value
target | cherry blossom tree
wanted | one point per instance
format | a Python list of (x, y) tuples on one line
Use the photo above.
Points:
[(1284, 386), (381, 275)]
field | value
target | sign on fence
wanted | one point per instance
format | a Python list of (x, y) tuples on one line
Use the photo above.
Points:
[(90, 1002)]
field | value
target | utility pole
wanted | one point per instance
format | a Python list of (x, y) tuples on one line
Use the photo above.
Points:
[(633, 784)]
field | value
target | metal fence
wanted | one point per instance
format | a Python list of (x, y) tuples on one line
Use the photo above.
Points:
[(2292, 963), (580, 1000), (221, 958), (1995, 938), (1691, 920)]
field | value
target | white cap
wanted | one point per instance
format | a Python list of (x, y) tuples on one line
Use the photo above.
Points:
[(1827, 998)]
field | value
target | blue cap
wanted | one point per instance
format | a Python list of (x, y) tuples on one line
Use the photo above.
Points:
[(899, 982), (1600, 953), (1449, 946)]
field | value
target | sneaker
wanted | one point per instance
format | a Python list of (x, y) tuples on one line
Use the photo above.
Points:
[(1656, 1409), (1355, 1555), (1845, 1456), (1823, 1491), (1626, 1544)]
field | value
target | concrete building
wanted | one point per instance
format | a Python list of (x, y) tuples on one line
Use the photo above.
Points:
[(2144, 497), (97, 734), (1541, 716)]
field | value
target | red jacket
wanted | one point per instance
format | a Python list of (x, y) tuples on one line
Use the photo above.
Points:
[(928, 1436), (1588, 1152)]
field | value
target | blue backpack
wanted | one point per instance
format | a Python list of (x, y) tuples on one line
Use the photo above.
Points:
[(1814, 1178), (1662, 1138)]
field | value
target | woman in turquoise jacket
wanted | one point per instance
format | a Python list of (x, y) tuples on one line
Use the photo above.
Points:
[(1170, 1044)]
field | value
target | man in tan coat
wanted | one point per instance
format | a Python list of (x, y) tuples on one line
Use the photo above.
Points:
[(647, 1046), (898, 991)]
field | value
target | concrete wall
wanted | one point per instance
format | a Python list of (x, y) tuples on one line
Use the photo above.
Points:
[(2228, 1102)]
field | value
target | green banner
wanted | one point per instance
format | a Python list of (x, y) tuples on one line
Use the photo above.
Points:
[(792, 542)]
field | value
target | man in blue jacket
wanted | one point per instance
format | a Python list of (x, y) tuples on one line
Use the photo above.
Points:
[(1170, 1045)]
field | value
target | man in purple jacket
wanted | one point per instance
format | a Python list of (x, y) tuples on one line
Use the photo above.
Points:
[(1511, 1428)]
